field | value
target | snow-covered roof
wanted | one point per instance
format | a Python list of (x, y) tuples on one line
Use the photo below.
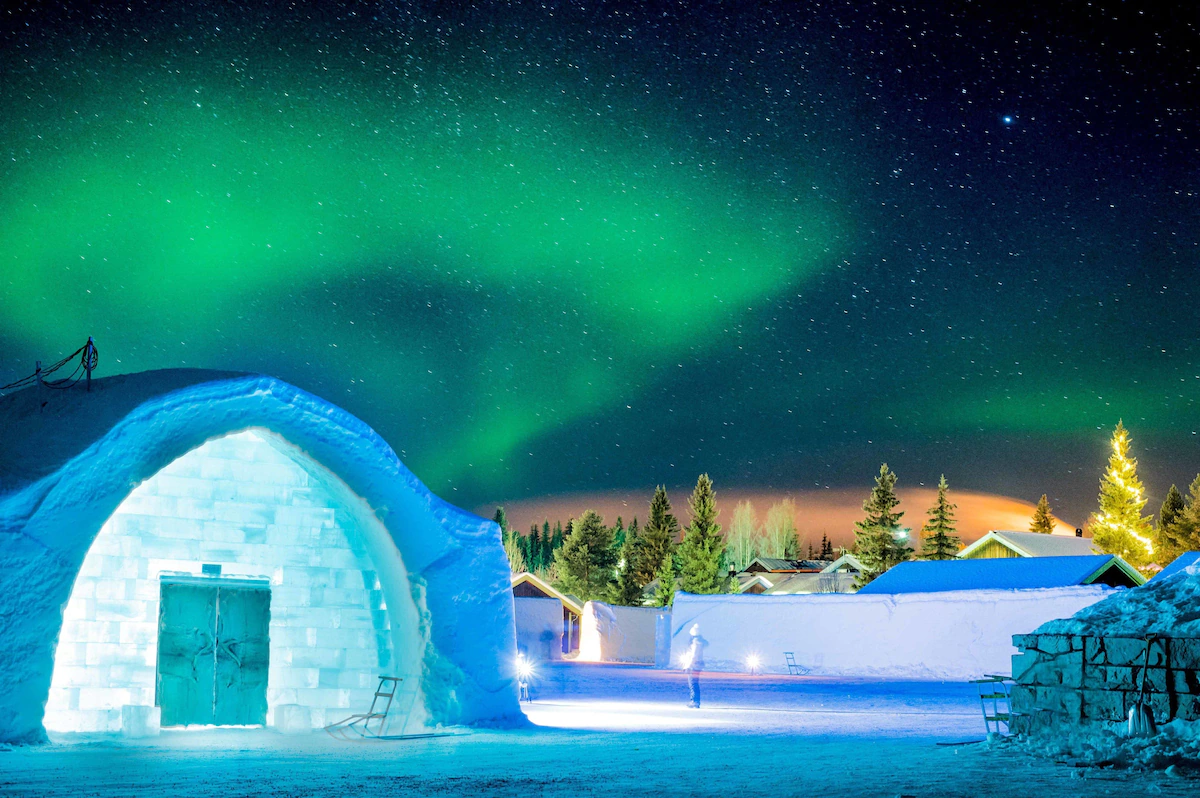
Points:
[(1004, 573), (69, 458), (847, 562), (776, 565), (1035, 544)]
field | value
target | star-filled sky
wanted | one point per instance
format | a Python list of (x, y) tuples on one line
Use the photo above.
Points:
[(563, 247)]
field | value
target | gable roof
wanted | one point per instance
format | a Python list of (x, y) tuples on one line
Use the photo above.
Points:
[(1184, 560), (1035, 544), (1004, 573), (570, 602), (847, 561), (798, 584)]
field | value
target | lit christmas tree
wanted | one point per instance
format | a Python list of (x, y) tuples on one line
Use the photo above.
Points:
[(1119, 527)]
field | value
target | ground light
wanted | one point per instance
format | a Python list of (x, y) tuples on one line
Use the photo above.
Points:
[(752, 663), (524, 674)]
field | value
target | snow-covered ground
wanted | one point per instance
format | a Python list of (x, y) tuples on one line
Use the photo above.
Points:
[(612, 730)]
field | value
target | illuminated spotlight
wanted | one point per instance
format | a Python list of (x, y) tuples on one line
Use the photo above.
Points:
[(524, 669), (752, 663)]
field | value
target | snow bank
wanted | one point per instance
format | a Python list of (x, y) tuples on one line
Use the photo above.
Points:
[(1166, 606), (948, 635), (617, 634), (69, 458)]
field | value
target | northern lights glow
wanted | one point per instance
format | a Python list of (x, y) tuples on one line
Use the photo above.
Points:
[(575, 249)]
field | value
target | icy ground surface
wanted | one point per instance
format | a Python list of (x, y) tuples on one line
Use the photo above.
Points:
[(611, 730)]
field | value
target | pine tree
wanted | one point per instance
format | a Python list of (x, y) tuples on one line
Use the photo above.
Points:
[(1167, 542), (703, 548), (664, 596), (501, 521), (826, 549), (547, 544), (618, 534), (1043, 521), (877, 540), (1119, 527), (658, 536), (938, 541), (1185, 528), (586, 561), (741, 542), (535, 549), (629, 590)]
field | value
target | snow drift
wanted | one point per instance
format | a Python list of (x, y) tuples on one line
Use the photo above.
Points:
[(960, 634), (1167, 605), (69, 458)]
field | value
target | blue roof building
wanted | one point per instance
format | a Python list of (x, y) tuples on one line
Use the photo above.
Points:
[(1016, 573)]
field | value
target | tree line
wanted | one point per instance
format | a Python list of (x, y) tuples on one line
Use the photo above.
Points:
[(593, 561)]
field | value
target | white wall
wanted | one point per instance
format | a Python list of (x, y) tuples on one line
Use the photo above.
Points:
[(952, 635), (617, 634), (539, 627), (238, 502)]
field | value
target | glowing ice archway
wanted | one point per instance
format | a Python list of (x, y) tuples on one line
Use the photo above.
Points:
[(250, 503), (455, 565)]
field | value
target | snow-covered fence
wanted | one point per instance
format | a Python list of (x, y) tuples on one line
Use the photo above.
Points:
[(1077, 679), (949, 635)]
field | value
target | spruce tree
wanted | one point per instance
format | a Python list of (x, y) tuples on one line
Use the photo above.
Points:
[(1118, 526), (586, 561), (1043, 521), (1185, 528), (1167, 542), (658, 536), (618, 534), (664, 596), (938, 541), (876, 538), (703, 548), (826, 549), (535, 549), (547, 544), (629, 590)]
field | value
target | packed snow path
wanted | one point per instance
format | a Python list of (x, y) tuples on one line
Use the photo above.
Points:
[(610, 730)]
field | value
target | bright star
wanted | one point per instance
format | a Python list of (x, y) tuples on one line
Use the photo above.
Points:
[(1008, 120)]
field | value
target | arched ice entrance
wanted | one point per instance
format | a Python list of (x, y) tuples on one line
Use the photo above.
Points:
[(240, 578)]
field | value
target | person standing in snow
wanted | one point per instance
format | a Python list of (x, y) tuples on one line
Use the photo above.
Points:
[(694, 663)]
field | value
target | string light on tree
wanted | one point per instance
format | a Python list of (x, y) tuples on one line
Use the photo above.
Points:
[(1119, 527)]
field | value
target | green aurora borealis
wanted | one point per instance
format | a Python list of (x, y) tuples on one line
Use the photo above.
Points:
[(603, 250)]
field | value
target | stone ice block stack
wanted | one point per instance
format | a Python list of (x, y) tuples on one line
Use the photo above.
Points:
[(1079, 680)]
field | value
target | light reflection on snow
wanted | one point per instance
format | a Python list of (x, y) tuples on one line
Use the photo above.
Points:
[(622, 715)]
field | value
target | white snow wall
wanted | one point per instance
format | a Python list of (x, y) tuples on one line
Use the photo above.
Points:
[(617, 634), (243, 503), (951, 635), (456, 572), (539, 627)]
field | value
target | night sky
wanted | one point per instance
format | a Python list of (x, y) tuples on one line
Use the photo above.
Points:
[(574, 247)]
